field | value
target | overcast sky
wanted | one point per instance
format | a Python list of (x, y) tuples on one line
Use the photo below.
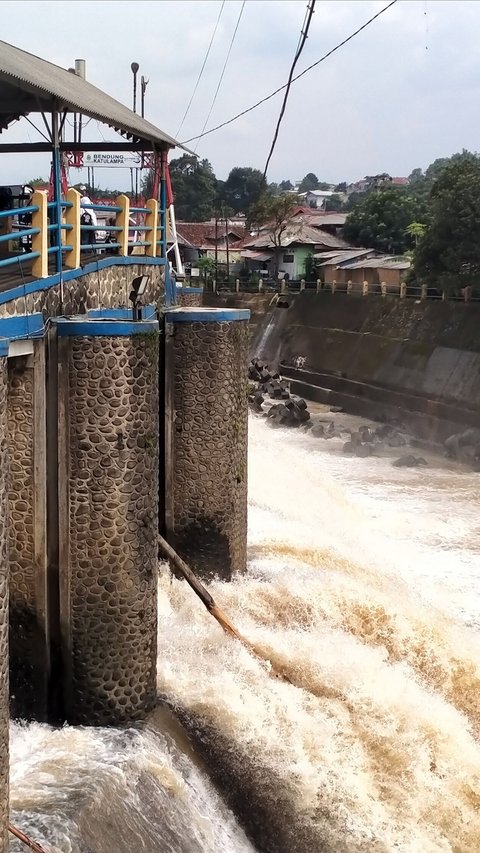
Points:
[(403, 92)]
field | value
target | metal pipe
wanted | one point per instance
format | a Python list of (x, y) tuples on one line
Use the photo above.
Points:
[(57, 187)]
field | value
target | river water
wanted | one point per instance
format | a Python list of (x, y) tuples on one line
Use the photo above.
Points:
[(363, 589)]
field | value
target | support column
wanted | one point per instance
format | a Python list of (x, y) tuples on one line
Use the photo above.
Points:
[(29, 641), (206, 437), (4, 715), (108, 517)]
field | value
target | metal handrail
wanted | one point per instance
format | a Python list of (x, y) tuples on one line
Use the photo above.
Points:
[(18, 211)]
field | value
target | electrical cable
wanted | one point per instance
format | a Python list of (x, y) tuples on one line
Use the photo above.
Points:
[(281, 88), (223, 70), (201, 70), (301, 45)]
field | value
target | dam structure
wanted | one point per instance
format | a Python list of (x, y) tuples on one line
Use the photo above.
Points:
[(123, 413)]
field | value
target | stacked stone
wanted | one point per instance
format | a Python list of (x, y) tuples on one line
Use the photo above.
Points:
[(109, 557), (207, 453), (292, 412), (4, 713)]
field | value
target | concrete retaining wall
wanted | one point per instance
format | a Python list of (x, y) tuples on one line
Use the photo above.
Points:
[(377, 356)]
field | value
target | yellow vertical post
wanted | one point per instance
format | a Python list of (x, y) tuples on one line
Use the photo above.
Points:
[(403, 290), (151, 223), (40, 240), (73, 235), (365, 288), (122, 220)]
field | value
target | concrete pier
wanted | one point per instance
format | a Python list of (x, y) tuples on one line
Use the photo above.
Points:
[(108, 517), (4, 698), (206, 421), (29, 650)]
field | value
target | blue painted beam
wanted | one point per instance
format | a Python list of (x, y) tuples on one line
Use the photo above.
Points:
[(206, 315), (22, 327), (82, 327)]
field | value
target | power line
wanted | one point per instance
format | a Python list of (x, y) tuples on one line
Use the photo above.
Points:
[(301, 44), (223, 71), (201, 69), (281, 88)]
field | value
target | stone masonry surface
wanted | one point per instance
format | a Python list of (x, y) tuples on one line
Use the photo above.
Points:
[(24, 640), (3, 613), (113, 517), (209, 429), (107, 288)]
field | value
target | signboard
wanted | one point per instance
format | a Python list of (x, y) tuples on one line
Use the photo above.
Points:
[(118, 160)]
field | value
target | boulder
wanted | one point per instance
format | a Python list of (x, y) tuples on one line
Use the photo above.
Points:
[(409, 461)]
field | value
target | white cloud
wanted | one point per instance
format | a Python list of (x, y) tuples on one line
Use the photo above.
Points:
[(400, 94)]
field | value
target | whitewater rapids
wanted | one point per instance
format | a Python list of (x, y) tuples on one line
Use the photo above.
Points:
[(363, 587)]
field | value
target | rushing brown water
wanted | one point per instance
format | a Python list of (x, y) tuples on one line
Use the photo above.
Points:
[(363, 587)]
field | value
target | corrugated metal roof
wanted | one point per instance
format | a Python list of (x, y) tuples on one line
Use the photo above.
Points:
[(388, 262), (334, 258), (30, 84), (298, 233)]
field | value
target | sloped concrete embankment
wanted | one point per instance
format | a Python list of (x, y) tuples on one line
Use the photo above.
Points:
[(377, 357)]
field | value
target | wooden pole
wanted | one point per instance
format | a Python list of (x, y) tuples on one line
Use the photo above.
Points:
[(213, 608), (37, 848)]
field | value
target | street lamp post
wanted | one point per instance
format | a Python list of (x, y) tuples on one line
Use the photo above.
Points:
[(134, 66)]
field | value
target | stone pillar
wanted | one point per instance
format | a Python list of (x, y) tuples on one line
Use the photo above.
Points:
[(108, 517), (4, 691), (29, 638), (206, 438)]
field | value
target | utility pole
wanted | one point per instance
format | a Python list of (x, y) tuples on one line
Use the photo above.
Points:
[(216, 249), (227, 248), (143, 86)]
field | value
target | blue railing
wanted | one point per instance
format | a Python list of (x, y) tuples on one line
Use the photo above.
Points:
[(18, 232)]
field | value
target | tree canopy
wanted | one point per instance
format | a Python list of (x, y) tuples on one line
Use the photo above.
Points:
[(381, 221), (448, 254), (243, 188), (194, 188)]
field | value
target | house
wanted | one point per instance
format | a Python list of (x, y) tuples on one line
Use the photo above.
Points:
[(360, 265), (199, 239), (331, 222), (315, 198), (298, 241)]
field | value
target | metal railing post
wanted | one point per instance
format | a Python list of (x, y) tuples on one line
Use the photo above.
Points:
[(73, 235), (40, 240), (122, 220), (151, 223)]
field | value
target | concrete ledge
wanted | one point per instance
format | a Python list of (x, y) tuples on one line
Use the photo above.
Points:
[(206, 315), (81, 326), (148, 311), (22, 326), (67, 275)]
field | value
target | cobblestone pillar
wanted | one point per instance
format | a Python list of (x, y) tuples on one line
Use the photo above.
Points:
[(206, 437), (108, 517), (29, 652), (4, 713)]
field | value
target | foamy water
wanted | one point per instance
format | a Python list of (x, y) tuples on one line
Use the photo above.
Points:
[(363, 591)]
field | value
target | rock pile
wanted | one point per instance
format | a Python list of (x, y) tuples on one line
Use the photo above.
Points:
[(366, 441), (292, 411)]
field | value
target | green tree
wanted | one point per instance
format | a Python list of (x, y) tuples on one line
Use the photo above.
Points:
[(381, 220), (309, 182), (416, 230), (448, 255), (285, 185), (37, 182), (273, 214), (334, 203), (194, 188), (243, 188)]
